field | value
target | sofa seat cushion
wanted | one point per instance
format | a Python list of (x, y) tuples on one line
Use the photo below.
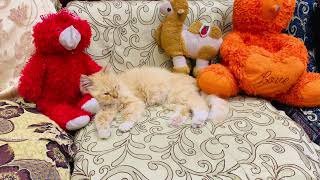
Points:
[(255, 142), (31, 145)]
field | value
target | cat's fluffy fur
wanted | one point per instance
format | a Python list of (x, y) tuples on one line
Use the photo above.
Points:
[(130, 92)]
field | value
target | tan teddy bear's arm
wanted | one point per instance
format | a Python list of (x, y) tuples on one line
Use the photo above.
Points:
[(158, 35)]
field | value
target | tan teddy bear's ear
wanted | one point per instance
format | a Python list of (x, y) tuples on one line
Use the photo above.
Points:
[(215, 32)]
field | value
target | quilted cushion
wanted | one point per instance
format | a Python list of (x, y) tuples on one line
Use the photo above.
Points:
[(31, 145), (255, 142), (123, 31)]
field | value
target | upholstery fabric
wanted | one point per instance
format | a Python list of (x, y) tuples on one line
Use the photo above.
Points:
[(31, 145), (65, 2), (308, 120), (316, 30), (256, 142), (301, 27), (17, 18), (123, 31)]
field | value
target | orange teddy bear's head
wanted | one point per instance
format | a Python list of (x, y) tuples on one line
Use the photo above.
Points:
[(262, 15)]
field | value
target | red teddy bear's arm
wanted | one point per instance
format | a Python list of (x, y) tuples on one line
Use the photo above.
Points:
[(92, 66), (31, 79), (233, 49)]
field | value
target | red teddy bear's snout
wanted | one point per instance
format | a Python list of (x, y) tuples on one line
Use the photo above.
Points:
[(70, 37)]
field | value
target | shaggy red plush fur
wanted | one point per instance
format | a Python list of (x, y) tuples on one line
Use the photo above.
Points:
[(51, 77), (261, 60)]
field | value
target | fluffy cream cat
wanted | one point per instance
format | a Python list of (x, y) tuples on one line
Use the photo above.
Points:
[(129, 93)]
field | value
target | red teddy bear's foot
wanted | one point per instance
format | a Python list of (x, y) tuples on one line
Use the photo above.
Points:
[(66, 116)]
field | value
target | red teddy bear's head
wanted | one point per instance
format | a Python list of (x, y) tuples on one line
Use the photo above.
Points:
[(61, 32), (262, 15)]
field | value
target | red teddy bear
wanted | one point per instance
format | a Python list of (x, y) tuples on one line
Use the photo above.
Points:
[(51, 77)]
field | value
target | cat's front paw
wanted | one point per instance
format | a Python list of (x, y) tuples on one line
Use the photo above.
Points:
[(104, 133), (126, 126), (199, 118)]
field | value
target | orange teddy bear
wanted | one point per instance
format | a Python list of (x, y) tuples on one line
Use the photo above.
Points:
[(258, 59)]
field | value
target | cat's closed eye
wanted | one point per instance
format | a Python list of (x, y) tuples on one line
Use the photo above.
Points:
[(106, 94)]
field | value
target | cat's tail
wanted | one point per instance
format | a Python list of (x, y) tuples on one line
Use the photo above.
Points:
[(9, 93)]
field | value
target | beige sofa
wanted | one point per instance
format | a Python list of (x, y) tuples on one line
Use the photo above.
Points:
[(255, 142)]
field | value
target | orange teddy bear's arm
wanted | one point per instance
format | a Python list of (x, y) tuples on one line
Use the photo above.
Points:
[(233, 49), (291, 46)]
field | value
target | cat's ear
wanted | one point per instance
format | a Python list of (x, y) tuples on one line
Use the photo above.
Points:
[(85, 83), (106, 69)]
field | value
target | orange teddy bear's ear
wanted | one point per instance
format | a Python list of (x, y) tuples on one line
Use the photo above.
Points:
[(262, 15)]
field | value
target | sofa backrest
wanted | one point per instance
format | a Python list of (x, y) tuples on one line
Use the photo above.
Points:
[(123, 31)]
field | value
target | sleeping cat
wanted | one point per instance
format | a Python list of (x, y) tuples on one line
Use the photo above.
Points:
[(129, 93)]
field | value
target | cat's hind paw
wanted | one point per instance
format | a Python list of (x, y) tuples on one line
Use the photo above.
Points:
[(104, 133), (177, 120), (126, 126), (199, 118), (219, 109)]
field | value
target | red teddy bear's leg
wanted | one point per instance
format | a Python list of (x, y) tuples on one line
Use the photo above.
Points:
[(66, 116), (89, 104), (306, 93)]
